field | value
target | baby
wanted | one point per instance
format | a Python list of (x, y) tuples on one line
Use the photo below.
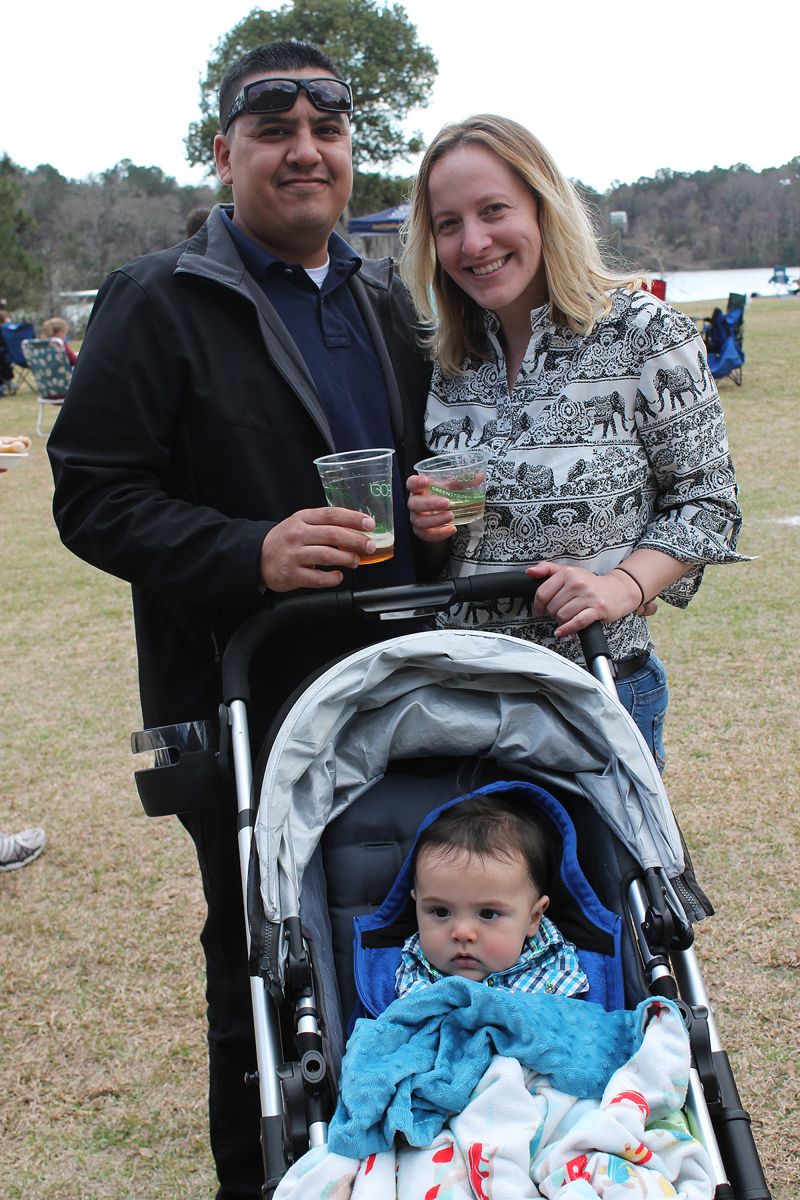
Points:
[(481, 872)]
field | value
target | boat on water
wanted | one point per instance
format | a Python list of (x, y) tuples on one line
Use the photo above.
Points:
[(780, 284)]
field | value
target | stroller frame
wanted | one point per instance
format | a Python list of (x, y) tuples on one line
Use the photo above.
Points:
[(297, 1094)]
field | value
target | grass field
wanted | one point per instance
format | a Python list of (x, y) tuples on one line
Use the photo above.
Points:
[(102, 1028)]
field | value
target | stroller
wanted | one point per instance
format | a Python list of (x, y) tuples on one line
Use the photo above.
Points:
[(359, 757)]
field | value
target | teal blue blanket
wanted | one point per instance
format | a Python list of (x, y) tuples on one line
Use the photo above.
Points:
[(407, 1071)]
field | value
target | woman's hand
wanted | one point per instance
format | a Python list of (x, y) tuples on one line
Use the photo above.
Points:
[(431, 516), (576, 597)]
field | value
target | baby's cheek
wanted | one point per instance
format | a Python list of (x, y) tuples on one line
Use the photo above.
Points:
[(502, 949)]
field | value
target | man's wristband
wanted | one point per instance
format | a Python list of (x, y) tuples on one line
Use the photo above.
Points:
[(635, 580)]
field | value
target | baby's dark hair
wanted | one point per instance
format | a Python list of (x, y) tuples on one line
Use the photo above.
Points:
[(490, 826)]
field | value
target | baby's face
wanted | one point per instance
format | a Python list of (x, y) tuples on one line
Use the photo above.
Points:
[(474, 914)]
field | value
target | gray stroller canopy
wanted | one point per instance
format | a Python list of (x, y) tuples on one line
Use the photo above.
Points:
[(453, 693)]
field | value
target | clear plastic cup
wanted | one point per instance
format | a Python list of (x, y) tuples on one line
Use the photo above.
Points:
[(461, 478), (361, 480)]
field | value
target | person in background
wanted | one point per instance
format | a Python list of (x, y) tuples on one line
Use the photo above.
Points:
[(56, 328), (609, 466), (196, 220), (6, 364), (6, 367), (211, 376), (19, 849)]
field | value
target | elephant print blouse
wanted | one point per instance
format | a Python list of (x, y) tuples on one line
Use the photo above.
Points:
[(608, 442)]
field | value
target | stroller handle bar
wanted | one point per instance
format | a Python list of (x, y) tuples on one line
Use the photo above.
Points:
[(412, 600)]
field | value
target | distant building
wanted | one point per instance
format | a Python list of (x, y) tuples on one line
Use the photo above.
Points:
[(77, 307), (619, 220)]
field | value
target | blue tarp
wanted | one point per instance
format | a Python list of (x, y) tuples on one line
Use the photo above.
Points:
[(387, 221)]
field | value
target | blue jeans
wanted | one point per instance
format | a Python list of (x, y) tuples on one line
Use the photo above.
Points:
[(645, 695)]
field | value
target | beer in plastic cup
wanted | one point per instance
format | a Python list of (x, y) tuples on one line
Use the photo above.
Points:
[(461, 478), (361, 480)]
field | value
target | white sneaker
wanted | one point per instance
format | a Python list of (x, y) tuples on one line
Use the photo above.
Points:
[(18, 849)]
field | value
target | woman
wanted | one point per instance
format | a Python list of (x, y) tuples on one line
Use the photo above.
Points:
[(609, 462)]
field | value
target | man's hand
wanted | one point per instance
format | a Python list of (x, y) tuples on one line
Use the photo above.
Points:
[(294, 550), (431, 516)]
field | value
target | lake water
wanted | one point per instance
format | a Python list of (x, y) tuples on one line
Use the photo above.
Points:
[(683, 286)]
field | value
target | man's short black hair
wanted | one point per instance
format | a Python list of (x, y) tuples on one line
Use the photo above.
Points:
[(490, 826), (269, 59)]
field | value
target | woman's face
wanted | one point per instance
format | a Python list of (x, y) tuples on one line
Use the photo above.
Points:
[(486, 230)]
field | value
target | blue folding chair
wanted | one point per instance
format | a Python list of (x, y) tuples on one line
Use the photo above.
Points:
[(14, 334), (723, 333)]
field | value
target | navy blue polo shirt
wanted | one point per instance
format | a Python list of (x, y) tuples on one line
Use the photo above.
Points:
[(328, 329)]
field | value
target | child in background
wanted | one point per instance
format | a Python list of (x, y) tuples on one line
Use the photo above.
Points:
[(481, 873), (57, 328)]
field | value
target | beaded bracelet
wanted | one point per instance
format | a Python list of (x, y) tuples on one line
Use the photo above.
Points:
[(635, 580)]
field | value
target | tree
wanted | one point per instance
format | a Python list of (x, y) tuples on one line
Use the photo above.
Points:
[(373, 192), (20, 272), (374, 44), (82, 228)]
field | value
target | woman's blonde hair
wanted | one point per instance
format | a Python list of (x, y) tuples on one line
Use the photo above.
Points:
[(54, 327), (577, 279)]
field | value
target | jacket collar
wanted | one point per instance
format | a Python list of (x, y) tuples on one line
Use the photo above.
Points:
[(212, 254)]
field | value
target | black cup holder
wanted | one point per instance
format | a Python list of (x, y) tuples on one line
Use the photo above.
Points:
[(187, 773)]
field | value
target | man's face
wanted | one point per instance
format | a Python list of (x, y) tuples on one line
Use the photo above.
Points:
[(291, 174)]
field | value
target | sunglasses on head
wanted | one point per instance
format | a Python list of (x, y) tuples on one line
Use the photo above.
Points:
[(279, 95)]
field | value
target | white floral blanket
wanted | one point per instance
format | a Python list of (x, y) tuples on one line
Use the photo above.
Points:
[(519, 1137)]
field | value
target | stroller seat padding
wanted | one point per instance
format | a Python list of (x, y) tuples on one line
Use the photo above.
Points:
[(364, 849)]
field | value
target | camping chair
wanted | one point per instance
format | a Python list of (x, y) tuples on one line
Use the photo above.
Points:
[(723, 334), (14, 334), (49, 365)]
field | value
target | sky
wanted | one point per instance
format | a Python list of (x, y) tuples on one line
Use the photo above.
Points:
[(615, 91)]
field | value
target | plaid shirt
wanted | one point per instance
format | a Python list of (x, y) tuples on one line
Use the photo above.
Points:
[(547, 964)]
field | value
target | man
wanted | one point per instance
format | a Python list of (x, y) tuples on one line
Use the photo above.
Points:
[(211, 375)]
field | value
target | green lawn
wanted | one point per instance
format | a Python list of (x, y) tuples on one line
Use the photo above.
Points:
[(102, 1030)]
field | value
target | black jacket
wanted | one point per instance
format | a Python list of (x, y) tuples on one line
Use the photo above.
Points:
[(190, 428)]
